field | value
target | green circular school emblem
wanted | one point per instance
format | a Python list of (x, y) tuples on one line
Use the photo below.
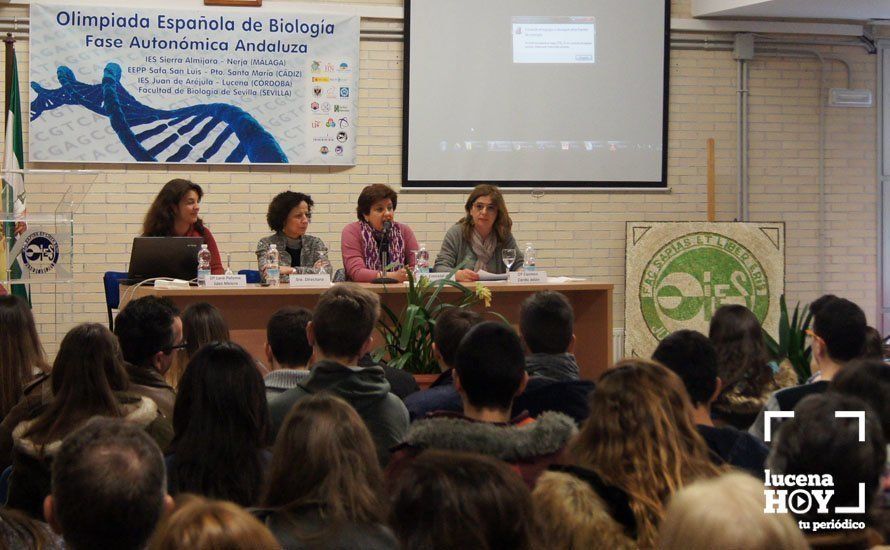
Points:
[(689, 278)]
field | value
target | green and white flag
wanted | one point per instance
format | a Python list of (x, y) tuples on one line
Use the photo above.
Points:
[(13, 187)]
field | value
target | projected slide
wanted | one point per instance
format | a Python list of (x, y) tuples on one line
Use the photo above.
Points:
[(563, 93), (553, 40)]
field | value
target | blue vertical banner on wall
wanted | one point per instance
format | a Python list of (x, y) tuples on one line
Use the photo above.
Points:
[(122, 85)]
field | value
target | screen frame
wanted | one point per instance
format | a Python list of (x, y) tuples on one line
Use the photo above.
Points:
[(409, 183)]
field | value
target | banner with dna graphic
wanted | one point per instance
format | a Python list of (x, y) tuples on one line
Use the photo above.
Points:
[(217, 86)]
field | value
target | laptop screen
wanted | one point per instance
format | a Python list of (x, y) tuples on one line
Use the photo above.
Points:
[(175, 257)]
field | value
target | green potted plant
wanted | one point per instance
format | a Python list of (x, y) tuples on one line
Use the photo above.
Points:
[(792, 344), (408, 335)]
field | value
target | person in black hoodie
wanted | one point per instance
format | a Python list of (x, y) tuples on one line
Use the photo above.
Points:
[(694, 359), (340, 332)]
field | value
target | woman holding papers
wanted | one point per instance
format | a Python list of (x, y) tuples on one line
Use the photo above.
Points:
[(363, 242), (174, 213), (289, 216), (477, 241)]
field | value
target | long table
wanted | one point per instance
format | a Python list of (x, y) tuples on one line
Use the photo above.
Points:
[(248, 309)]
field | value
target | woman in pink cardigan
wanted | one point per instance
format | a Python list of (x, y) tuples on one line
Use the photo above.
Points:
[(360, 241)]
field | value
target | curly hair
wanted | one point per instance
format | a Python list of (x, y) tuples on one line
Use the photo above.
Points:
[(502, 225), (160, 217), (640, 437), (372, 194), (281, 206), (742, 356)]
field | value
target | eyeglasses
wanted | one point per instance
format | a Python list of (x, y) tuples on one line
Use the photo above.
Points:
[(482, 207), (813, 335), (183, 345)]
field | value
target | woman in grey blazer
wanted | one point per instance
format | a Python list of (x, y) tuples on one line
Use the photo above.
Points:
[(289, 216), (477, 240)]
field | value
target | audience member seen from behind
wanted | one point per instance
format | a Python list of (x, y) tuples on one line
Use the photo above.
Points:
[(874, 345), (88, 380), (816, 443), (744, 366), (489, 372), (547, 322), (324, 484), (149, 330), (202, 523), (361, 240), (451, 326), (640, 438), (575, 511), (201, 323), (287, 349), (340, 333), (108, 487), (23, 366), (477, 241), (693, 358), (838, 337), (869, 380), (18, 530), (446, 500), (726, 512), (221, 424), (174, 213), (289, 217)]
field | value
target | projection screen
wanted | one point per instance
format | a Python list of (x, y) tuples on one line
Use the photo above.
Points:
[(563, 93)]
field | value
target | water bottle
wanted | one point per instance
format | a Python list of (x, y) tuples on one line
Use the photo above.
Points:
[(530, 257), (272, 271), (323, 263), (422, 261), (203, 265)]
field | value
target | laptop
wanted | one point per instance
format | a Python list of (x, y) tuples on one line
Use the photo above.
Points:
[(174, 257)]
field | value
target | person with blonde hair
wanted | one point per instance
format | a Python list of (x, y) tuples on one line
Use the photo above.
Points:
[(726, 512), (571, 512), (199, 522), (324, 488), (640, 438)]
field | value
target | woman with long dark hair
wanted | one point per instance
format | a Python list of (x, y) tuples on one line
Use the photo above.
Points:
[(174, 213), (476, 241), (325, 483), (744, 366), (202, 323), (23, 364), (641, 441), (88, 379), (221, 425)]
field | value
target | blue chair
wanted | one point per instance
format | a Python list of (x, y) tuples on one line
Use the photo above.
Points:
[(112, 281), (253, 276)]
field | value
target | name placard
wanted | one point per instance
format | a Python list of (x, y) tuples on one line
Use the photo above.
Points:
[(226, 281), (527, 277), (435, 276), (310, 279)]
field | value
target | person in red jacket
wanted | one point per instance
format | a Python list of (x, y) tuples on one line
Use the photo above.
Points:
[(174, 213)]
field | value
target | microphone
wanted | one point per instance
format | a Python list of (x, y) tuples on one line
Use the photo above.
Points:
[(384, 246)]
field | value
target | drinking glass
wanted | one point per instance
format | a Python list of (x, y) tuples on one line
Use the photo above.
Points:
[(508, 255), (229, 263)]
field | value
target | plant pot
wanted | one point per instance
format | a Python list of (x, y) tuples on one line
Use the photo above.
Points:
[(425, 380)]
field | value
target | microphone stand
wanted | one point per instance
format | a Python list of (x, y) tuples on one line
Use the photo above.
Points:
[(384, 252)]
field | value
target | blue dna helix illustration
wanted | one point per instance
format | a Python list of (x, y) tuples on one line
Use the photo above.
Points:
[(163, 129)]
